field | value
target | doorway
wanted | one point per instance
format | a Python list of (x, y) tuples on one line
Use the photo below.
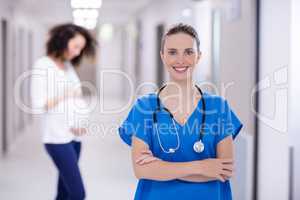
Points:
[(160, 67), (3, 86)]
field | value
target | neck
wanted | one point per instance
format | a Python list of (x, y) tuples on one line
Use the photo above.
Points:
[(183, 88), (59, 62), (180, 97)]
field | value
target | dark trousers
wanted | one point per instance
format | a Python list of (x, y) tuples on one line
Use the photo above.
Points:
[(65, 158)]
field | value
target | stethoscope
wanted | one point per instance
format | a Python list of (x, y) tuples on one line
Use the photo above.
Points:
[(198, 145)]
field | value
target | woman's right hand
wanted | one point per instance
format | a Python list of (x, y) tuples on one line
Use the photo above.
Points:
[(214, 168), (78, 131)]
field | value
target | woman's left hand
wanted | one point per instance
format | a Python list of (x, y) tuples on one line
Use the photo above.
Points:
[(78, 131), (146, 157)]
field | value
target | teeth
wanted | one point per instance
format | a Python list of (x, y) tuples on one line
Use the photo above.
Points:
[(180, 69)]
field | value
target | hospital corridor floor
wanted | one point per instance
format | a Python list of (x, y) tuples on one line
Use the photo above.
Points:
[(27, 173)]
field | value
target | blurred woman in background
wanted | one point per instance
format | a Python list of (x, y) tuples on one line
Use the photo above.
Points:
[(52, 91)]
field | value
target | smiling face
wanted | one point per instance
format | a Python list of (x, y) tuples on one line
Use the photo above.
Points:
[(180, 56), (75, 46)]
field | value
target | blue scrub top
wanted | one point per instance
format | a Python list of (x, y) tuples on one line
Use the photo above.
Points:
[(220, 122)]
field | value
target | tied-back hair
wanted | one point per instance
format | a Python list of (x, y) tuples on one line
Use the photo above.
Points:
[(181, 28)]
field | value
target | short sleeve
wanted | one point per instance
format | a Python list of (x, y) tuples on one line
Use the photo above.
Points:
[(229, 123), (38, 89), (138, 123)]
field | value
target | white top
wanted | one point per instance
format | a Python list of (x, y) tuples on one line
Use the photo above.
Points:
[(49, 81)]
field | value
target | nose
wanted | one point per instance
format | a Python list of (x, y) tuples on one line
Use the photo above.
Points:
[(180, 58)]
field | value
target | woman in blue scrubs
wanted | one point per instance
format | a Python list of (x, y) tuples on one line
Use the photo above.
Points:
[(181, 138)]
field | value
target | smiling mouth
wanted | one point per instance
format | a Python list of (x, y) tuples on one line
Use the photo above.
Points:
[(181, 69)]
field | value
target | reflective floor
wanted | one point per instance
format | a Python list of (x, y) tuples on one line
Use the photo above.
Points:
[(27, 172)]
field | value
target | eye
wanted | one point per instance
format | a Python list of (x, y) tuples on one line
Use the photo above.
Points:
[(172, 52), (189, 52)]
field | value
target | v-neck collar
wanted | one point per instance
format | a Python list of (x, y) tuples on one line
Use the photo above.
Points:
[(190, 116), (64, 70)]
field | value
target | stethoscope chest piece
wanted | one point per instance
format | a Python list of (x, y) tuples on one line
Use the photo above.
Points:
[(198, 146)]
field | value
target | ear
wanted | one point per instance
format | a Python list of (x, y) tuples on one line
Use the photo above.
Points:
[(198, 57), (161, 55)]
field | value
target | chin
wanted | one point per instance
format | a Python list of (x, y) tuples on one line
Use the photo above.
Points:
[(181, 78)]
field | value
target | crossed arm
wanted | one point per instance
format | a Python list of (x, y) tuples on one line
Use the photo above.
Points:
[(146, 166)]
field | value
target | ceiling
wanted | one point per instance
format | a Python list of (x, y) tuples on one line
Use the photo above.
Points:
[(56, 11)]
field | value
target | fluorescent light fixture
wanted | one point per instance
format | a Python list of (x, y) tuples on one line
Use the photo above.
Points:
[(87, 23), (106, 32), (91, 24), (86, 4), (85, 13)]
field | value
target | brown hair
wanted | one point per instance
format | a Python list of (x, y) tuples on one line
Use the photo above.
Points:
[(59, 37), (181, 28)]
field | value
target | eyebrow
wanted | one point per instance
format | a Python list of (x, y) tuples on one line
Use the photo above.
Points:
[(177, 49), (189, 49), (172, 49)]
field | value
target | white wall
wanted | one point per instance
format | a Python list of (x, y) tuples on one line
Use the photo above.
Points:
[(18, 61), (273, 137), (111, 64), (294, 95), (237, 74), (202, 19), (130, 58)]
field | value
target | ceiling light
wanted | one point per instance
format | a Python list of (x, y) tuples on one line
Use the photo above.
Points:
[(106, 32), (87, 23), (86, 4), (85, 13)]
